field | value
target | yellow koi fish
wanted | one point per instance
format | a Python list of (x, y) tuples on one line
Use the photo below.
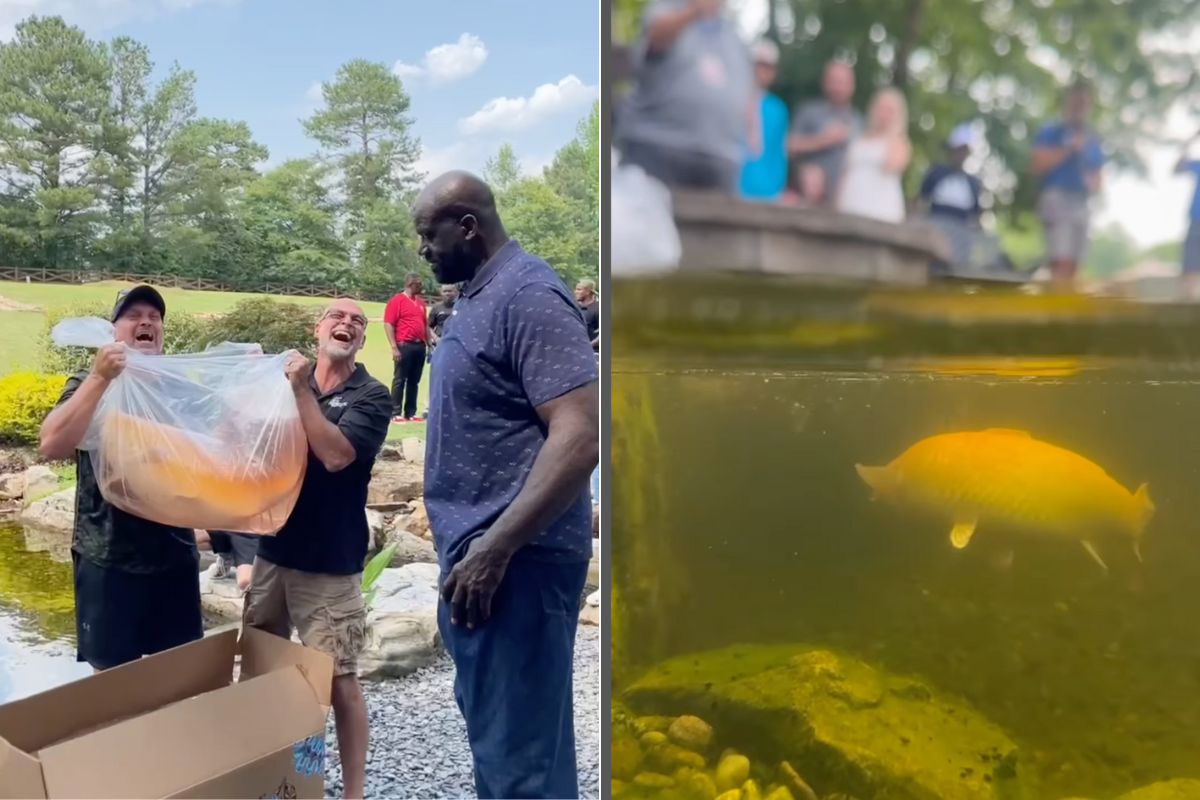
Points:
[(1009, 479)]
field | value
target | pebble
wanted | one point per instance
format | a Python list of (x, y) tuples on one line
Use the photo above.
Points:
[(418, 746)]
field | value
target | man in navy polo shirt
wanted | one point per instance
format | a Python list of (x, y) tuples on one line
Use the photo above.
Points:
[(513, 436)]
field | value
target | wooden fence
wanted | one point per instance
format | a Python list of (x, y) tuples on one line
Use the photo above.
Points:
[(79, 277)]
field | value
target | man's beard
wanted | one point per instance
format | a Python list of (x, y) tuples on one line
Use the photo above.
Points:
[(458, 266), (338, 352)]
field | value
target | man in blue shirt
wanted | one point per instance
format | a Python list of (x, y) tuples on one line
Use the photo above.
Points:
[(765, 172), (1067, 157), (513, 435), (1191, 244)]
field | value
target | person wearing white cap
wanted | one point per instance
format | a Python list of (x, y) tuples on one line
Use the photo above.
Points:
[(947, 190), (764, 175)]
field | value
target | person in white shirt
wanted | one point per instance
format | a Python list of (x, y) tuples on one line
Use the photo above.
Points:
[(876, 160)]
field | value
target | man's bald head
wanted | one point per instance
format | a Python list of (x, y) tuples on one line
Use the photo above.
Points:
[(456, 221), (341, 330)]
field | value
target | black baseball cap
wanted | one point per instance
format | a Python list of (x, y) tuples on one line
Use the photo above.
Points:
[(138, 294)]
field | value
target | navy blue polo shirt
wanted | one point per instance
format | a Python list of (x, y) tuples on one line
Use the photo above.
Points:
[(327, 531), (517, 340)]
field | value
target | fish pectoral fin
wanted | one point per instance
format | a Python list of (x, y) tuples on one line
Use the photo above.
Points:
[(961, 533), (1092, 552), (1137, 551)]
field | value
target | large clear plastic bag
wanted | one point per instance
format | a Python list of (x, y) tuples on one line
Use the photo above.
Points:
[(644, 238), (209, 440)]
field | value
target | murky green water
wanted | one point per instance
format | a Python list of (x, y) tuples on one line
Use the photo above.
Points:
[(37, 620), (872, 655)]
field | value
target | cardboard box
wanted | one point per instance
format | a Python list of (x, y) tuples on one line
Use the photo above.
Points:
[(177, 725)]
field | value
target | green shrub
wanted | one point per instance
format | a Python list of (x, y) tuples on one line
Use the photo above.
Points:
[(25, 400), (276, 325), (182, 333)]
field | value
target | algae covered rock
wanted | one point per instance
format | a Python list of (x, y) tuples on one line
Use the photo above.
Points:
[(779, 793), (798, 787), (750, 791), (841, 723), (654, 780), (1182, 789), (691, 732), (732, 771)]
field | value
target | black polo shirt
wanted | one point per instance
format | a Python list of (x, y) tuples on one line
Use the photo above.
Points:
[(327, 531), (439, 314), (115, 539)]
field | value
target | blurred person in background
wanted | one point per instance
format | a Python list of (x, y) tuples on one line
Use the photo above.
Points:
[(1191, 244), (406, 324), (1067, 157), (876, 160), (589, 304), (693, 107), (948, 190), (440, 314), (764, 176), (821, 133)]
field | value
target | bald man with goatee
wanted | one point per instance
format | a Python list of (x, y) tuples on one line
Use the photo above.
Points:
[(309, 575)]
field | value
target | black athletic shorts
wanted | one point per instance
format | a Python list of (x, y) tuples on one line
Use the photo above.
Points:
[(122, 616), (241, 546)]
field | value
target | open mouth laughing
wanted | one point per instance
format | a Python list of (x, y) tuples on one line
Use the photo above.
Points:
[(342, 336)]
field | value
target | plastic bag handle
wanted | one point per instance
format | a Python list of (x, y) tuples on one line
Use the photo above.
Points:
[(83, 332)]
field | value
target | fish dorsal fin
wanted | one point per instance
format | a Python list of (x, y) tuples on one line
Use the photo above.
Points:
[(1009, 432)]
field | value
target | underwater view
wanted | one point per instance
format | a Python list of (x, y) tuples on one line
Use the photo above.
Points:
[(891, 545)]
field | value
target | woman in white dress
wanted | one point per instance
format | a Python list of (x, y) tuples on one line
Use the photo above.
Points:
[(876, 160)]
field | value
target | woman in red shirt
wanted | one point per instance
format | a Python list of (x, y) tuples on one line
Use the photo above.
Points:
[(407, 326)]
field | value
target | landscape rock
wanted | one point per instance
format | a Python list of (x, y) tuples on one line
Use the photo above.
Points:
[(410, 549), (691, 732), (391, 452), (39, 482), (12, 486), (220, 597), (839, 722), (393, 481), (413, 449), (54, 512), (1182, 789), (402, 624), (417, 522), (377, 526), (590, 615), (732, 771)]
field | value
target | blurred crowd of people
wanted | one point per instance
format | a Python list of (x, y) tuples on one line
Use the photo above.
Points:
[(702, 115)]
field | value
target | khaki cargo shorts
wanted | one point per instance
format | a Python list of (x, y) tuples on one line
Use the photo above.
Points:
[(326, 610), (1065, 217)]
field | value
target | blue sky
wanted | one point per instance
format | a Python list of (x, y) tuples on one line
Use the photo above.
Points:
[(488, 72)]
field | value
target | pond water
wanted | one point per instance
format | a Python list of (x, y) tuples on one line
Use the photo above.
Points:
[(37, 620), (758, 586)]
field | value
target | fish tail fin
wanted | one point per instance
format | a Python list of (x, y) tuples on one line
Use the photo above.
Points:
[(1144, 511), (878, 478)]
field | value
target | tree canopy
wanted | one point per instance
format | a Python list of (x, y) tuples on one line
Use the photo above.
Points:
[(104, 169)]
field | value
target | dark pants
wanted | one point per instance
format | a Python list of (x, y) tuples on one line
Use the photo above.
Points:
[(682, 169), (122, 616), (513, 682), (406, 377), (241, 547)]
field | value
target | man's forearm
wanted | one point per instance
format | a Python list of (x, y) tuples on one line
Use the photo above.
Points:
[(798, 145), (389, 331), (561, 469), (1047, 158), (65, 426), (325, 440)]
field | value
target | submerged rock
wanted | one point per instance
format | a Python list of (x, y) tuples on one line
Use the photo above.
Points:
[(691, 732), (798, 786), (1183, 789), (843, 724)]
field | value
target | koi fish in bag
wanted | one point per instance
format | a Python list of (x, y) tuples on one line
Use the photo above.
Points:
[(209, 440)]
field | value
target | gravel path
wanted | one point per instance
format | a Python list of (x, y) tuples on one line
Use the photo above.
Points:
[(419, 741)]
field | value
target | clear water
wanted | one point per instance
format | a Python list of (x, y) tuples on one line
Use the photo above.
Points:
[(739, 411), (37, 622)]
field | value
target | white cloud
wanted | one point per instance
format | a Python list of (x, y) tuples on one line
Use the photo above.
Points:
[(515, 113), (446, 62), (436, 160), (316, 92)]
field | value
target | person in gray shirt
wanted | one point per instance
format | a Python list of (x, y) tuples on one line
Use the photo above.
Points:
[(821, 132), (689, 120)]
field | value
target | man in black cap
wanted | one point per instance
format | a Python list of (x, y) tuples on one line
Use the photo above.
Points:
[(137, 582)]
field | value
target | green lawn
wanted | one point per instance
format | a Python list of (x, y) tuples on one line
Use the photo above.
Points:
[(19, 329)]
